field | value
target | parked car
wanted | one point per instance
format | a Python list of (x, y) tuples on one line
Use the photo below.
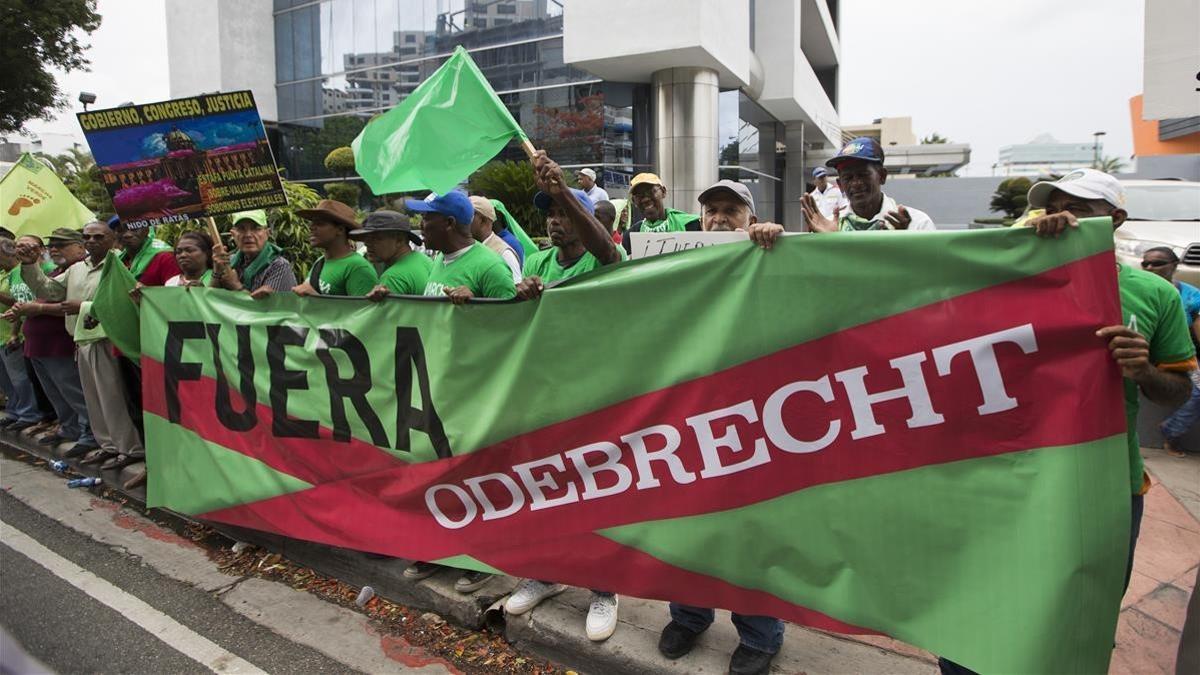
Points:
[(1162, 213)]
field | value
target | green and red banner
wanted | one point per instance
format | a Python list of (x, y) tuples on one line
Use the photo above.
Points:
[(916, 434)]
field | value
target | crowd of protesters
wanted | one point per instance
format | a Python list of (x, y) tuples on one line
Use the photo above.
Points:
[(67, 386)]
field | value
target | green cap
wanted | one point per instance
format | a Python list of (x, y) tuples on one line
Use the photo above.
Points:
[(258, 216), (65, 235)]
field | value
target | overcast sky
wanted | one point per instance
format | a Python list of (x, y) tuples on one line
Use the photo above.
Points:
[(988, 73)]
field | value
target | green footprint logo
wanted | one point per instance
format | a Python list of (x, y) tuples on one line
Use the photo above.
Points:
[(22, 202)]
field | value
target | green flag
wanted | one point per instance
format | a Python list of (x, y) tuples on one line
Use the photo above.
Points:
[(34, 201), (448, 127), (114, 308), (515, 227)]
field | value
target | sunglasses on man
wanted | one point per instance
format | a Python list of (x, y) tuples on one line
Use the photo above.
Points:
[(1147, 264)]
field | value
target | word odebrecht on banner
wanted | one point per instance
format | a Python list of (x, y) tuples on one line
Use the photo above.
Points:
[(187, 158)]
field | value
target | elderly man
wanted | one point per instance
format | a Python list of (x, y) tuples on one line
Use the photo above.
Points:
[(99, 369), (728, 206), (861, 176), (341, 270), (463, 268), (648, 192), (482, 229), (587, 181), (390, 239), (259, 266), (50, 347)]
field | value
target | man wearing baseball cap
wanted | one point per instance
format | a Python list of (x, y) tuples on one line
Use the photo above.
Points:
[(390, 239), (826, 194), (341, 270), (587, 181), (580, 244), (728, 206), (647, 192), (482, 229), (1151, 345), (861, 176), (150, 260), (259, 266), (463, 268)]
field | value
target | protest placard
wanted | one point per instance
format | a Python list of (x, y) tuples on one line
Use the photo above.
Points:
[(182, 159), (646, 244)]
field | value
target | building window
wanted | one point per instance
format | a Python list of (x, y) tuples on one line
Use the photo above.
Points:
[(506, 8)]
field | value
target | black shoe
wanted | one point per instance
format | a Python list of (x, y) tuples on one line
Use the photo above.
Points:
[(471, 581), (53, 439), (676, 640), (747, 661), (79, 450), (17, 427), (118, 462)]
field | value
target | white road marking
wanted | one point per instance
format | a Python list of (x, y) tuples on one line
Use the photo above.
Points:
[(174, 634)]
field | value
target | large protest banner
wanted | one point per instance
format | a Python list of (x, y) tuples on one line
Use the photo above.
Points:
[(935, 451), (187, 158)]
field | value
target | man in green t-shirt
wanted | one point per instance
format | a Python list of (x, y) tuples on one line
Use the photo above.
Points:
[(580, 243), (648, 193), (341, 270), (463, 268), (1151, 345), (390, 239)]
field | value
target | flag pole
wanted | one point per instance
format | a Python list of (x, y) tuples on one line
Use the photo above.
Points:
[(528, 148), (212, 231)]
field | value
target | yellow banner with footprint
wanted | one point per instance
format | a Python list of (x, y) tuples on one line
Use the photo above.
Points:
[(34, 201)]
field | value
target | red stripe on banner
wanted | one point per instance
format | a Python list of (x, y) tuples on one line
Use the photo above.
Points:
[(385, 510)]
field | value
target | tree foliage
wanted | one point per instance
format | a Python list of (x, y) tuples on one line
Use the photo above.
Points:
[(38, 39), (340, 161), (1111, 164), (513, 184), (934, 139), (346, 193), (78, 171), (1011, 196)]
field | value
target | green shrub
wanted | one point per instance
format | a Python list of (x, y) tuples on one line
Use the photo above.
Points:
[(340, 161), (511, 183), (346, 193)]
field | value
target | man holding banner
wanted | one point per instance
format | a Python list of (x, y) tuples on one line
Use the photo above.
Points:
[(341, 270), (463, 268), (259, 266), (648, 193), (390, 241)]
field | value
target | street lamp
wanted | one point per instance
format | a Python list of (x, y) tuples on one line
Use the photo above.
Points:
[(1096, 148), (86, 97)]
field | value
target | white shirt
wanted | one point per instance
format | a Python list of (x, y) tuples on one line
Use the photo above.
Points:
[(829, 200), (596, 194), (509, 256), (920, 220)]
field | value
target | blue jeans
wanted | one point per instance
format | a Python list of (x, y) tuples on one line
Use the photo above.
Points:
[(22, 403), (60, 380), (761, 633), (1183, 419)]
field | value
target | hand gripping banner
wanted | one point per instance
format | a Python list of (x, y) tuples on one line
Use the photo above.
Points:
[(917, 434)]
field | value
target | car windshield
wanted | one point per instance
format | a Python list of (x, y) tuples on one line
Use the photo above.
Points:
[(1178, 201)]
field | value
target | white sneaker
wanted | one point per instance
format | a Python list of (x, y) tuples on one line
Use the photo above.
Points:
[(602, 617), (528, 594)]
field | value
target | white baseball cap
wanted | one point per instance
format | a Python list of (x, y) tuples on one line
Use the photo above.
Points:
[(1085, 183), (589, 173), (483, 206)]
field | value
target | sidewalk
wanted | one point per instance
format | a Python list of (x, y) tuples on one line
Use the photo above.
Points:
[(1147, 635)]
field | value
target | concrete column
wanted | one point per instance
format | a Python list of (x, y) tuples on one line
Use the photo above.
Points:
[(794, 176), (684, 103), (764, 201)]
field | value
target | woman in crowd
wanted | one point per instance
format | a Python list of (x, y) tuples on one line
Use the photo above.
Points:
[(194, 253)]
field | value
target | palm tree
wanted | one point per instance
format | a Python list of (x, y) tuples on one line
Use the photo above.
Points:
[(78, 171), (1111, 165)]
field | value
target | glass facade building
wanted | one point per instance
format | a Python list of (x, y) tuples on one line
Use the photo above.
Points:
[(340, 62)]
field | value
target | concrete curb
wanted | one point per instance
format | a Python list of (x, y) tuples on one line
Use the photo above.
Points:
[(554, 629)]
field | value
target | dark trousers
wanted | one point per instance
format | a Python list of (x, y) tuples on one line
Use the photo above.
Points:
[(1137, 505), (761, 633)]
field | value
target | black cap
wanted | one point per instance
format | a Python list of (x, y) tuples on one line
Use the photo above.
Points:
[(385, 220)]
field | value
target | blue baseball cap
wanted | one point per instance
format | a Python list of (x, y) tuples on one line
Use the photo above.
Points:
[(455, 204), (820, 171), (114, 222), (863, 147), (543, 201)]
